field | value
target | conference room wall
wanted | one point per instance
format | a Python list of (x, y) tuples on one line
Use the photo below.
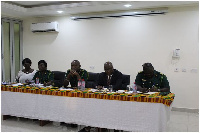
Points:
[(127, 42)]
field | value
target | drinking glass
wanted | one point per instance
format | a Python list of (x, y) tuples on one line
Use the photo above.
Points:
[(129, 88), (110, 88)]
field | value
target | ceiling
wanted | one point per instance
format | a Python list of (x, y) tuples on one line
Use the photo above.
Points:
[(49, 8)]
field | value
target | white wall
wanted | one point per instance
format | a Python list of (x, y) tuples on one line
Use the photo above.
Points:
[(127, 42)]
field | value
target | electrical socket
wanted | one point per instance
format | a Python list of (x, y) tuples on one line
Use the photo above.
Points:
[(92, 67), (194, 70), (183, 69), (176, 70)]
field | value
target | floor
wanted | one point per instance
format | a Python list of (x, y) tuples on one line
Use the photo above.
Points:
[(179, 122)]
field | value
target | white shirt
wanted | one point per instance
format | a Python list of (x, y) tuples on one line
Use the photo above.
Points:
[(24, 76), (110, 76)]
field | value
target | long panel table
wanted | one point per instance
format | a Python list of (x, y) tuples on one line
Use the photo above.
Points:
[(103, 113)]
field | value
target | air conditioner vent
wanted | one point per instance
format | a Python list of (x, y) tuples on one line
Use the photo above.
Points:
[(122, 14)]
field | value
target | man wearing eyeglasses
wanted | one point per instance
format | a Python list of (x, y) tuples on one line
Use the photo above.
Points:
[(151, 80)]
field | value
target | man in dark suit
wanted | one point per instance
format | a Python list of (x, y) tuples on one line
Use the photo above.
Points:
[(111, 76)]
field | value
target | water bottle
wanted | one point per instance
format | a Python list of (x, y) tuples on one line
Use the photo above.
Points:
[(83, 85), (129, 88), (110, 88), (79, 84), (37, 80), (134, 87)]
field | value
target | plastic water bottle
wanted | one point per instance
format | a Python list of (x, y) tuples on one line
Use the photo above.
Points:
[(83, 85), (79, 84), (110, 88), (129, 88), (37, 80), (134, 87)]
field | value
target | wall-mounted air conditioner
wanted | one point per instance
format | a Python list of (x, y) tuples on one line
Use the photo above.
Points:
[(45, 27)]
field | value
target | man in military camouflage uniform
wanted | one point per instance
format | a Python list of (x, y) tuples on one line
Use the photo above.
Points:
[(74, 74), (45, 76), (151, 80)]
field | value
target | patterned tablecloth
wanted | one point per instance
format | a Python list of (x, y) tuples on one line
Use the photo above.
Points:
[(153, 98)]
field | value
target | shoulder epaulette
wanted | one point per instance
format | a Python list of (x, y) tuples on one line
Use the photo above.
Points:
[(140, 72), (159, 73)]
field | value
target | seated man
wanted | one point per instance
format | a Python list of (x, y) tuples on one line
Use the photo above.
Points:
[(74, 74), (151, 80), (110, 77), (45, 76)]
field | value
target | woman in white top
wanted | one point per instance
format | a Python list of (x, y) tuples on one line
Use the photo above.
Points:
[(26, 75)]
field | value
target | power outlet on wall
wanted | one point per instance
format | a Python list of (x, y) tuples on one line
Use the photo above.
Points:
[(194, 70), (92, 67), (176, 69), (183, 69)]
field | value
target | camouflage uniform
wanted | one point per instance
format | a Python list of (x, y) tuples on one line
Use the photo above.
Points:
[(44, 77), (159, 80), (73, 80)]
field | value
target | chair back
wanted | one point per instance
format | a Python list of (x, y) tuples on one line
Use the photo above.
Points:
[(59, 78), (92, 81), (125, 81)]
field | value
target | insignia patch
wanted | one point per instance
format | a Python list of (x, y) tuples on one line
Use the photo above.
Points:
[(144, 80)]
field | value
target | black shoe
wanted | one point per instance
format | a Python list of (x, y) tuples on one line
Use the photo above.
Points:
[(34, 119), (104, 130), (63, 124), (83, 130), (118, 130), (74, 125)]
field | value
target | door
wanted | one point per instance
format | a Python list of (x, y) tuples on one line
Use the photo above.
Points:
[(11, 48)]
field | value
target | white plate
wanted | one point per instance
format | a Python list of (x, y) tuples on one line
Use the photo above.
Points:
[(93, 90), (129, 92), (105, 89), (139, 92), (120, 91), (150, 93), (17, 84), (37, 85)]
